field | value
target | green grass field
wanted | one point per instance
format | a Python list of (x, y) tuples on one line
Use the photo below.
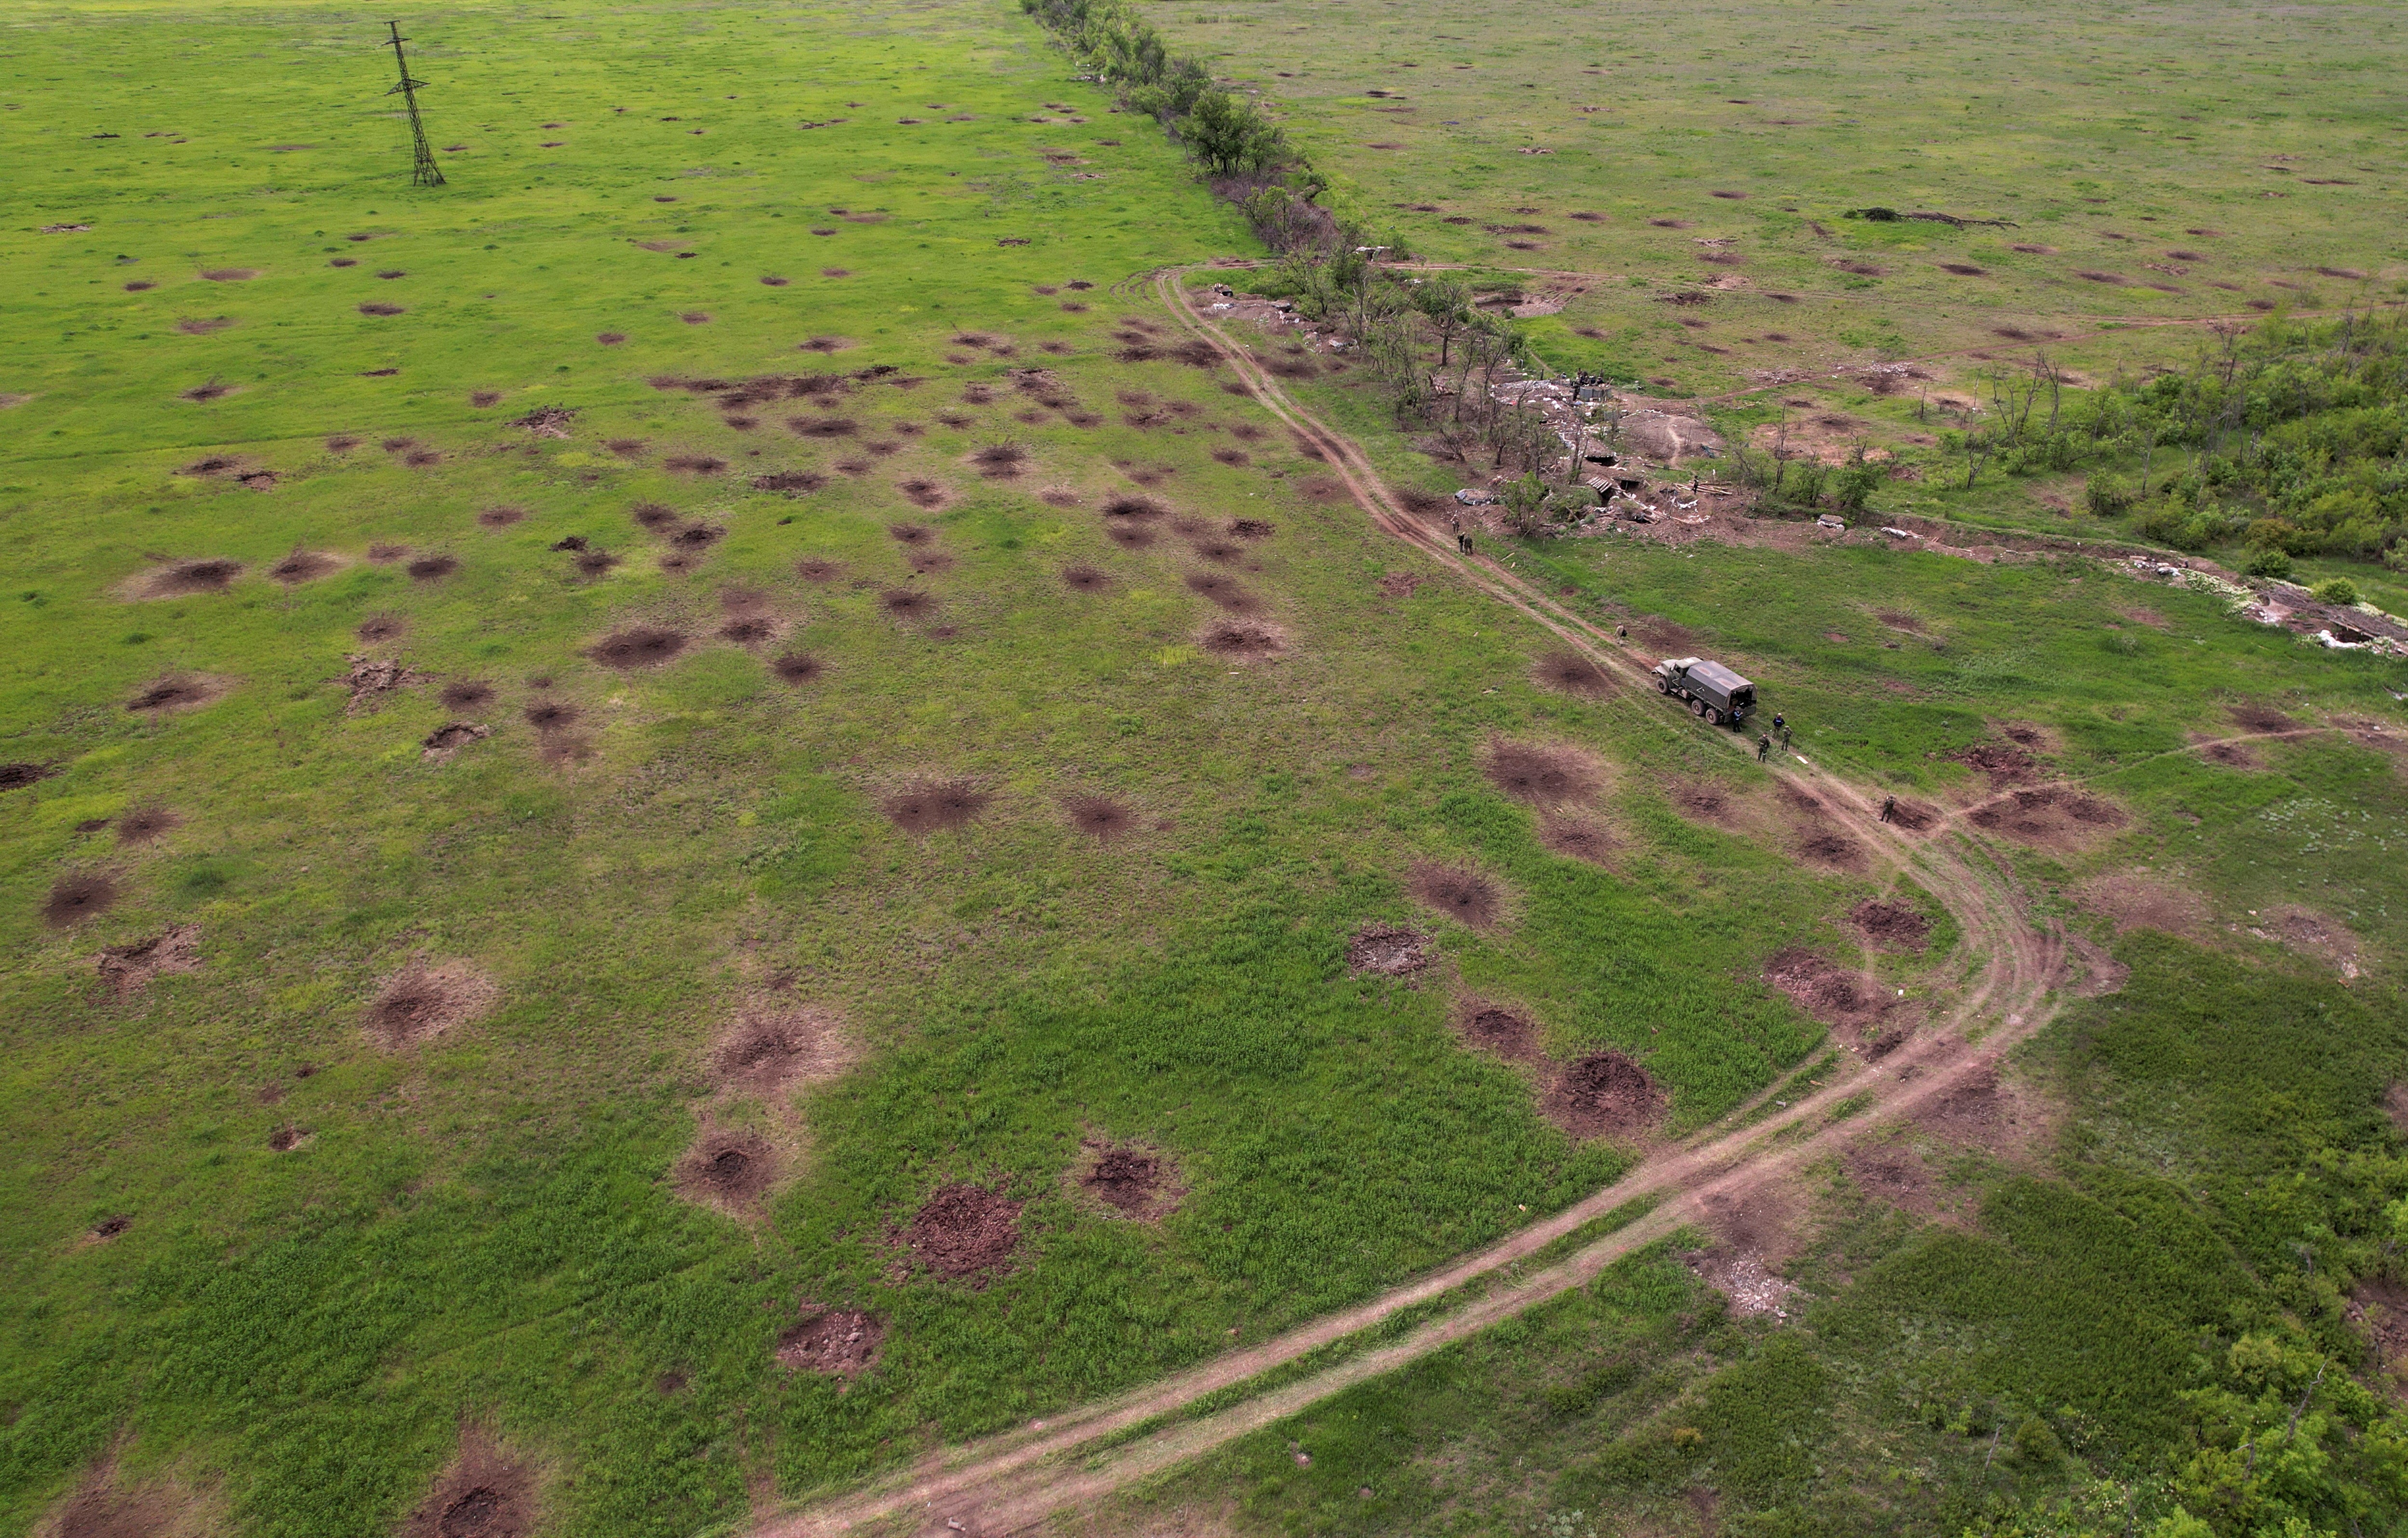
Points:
[(282, 429)]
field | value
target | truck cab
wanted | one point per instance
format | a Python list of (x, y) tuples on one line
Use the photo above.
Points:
[(1712, 692)]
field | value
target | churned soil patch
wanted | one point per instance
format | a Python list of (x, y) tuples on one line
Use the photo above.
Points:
[(127, 970), (1384, 951), (797, 668), (77, 897), (146, 823), (1578, 838), (2314, 934), (1243, 640), (371, 679), (16, 777), (1604, 1094), (726, 1168), (1889, 924), (934, 805), (2004, 765), (2050, 816), (184, 579), (304, 566), (768, 1051), (500, 517), (1001, 461), (176, 692), (438, 746), (1100, 818), (466, 694), (424, 1000), (921, 493), (1081, 577), (1223, 591), (2232, 755), (1569, 672), (1823, 989), (1459, 891), (550, 715), (964, 1229), (841, 1342), (432, 568), (638, 646), (1129, 1178), (1983, 1111), (1129, 537), (484, 1494), (1830, 848), (2138, 899), (379, 628), (907, 603), (1494, 1028), (2260, 718), (1543, 774), (99, 1509), (1137, 509)]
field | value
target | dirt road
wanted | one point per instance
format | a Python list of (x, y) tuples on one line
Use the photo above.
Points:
[(2011, 974)]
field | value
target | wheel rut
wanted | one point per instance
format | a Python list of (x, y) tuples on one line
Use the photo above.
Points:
[(2015, 974)]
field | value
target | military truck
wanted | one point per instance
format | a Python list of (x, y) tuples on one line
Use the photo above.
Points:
[(1714, 692)]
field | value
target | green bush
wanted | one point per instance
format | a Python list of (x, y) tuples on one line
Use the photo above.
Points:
[(2337, 590), (2108, 496), (2267, 561)]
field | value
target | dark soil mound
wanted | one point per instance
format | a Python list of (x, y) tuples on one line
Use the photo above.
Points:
[(466, 694), (639, 646), (1540, 775), (1914, 816), (1829, 993), (287, 1138), (1495, 1029), (1573, 673), (964, 1229), (429, 568), (1705, 804), (501, 517), (1129, 537), (380, 627), (167, 695), (482, 1495), (143, 824), (76, 897), (792, 482), (907, 603), (910, 533), (2005, 766), (923, 493), (16, 777), (2261, 717), (1243, 640), (186, 577), (1604, 1094), (449, 738), (839, 1341), (1135, 508), (652, 516), (1383, 950), (1084, 578), (1099, 817), (302, 566), (422, 1002), (1251, 528), (697, 536), (1224, 593), (1131, 1180), (1576, 839), (1462, 894), (935, 805), (1890, 925), (732, 1168), (769, 1051), (1826, 847), (797, 668), (2053, 815), (551, 715), (128, 969), (1001, 461), (815, 570)]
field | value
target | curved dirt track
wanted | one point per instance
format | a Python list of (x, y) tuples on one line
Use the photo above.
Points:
[(2008, 977)]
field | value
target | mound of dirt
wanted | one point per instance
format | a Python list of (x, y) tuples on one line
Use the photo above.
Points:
[(1081, 577), (420, 1002), (639, 646), (2232, 755), (1099, 817), (934, 805), (1383, 950), (16, 777), (438, 746), (1604, 1094), (1577, 838), (76, 897), (1133, 1180), (2051, 816), (303, 566), (964, 1229), (726, 1168), (1541, 774), (128, 969), (483, 1494), (1458, 891), (100, 1510), (1833, 851), (184, 579), (2005, 766), (1827, 991), (1494, 1028), (1569, 672), (841, 1342), (767, 1052), (176, 692), (371, 679), (2137, 898), (1890, 925), (797, 668), (145, 823), (1223, 591), (2261, 717), (1243, 640)]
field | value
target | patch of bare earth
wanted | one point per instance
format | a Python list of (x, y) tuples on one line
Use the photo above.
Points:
[(372, 679), (2140, 898), (1889, 924), (1569, 672), (1461, 892), (1543, 774), (485, 1493), (129, 969), (102, 1508), (1754, 1231), (935, 805), (2055, 816), (424, 1000), (2314, 935), (1851, 1003), (964, 1231), (1384, 950), (2232, 755), (2261, 717), (726, 1168), (1579, 838), (1604, 1094), (1987, 1112), (1894, 1170), (767, 1052), (1702, 801), (2004, 765), (1496, 1027), (840, 1342), (1134, 1181)]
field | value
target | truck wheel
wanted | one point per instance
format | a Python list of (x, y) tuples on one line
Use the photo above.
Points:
[(1697, 707), (1713, 716), (1662, 685)]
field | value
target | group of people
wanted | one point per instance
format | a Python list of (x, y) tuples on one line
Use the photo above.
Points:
[(1462, 535), (1764, 743)]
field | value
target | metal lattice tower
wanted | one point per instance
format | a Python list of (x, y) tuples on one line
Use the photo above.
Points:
[(424, 172)]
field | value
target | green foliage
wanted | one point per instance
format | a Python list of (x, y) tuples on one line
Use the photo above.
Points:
[(1231, 137), (2107, 495), (2268, 561), (2337, 590)]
